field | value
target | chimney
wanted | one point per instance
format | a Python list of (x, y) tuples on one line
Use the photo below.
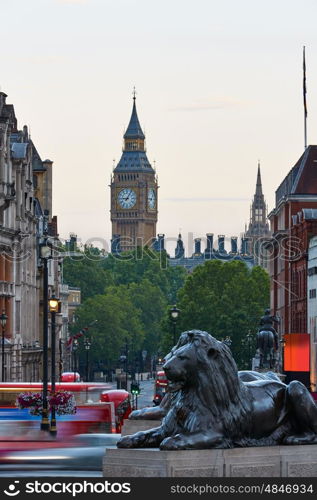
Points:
[(73, 242), (221, 244), (244, 246), (3, 97), (197, 246), (210, 243), (160, 238), (52, 226), (234, 244)]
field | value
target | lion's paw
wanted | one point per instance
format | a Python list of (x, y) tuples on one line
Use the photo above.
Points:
[(131, 441), (135, 415), (125, 442), (306, 438), (172, 443)]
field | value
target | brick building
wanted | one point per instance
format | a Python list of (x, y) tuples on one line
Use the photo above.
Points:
[(293, 226)]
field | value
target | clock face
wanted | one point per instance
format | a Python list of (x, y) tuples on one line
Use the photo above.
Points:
[(151, 197), (127, 198)]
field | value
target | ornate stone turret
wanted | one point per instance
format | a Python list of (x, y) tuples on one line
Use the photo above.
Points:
[(179, 250), (258, 225)]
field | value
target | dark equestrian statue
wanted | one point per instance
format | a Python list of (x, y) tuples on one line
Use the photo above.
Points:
[(210, 405), (265, 346), (267, 340)]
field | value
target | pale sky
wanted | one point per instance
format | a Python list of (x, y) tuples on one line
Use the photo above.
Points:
[(219, 86)]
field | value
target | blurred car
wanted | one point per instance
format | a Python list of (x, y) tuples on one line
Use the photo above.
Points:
[(84, 452), (108, 440)]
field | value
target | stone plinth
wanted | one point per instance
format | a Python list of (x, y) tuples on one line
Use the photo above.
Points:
[(275, 461), (132, 426)]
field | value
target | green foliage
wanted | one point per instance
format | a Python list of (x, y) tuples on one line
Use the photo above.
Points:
[(149, 300), (87, 274), (118, 321), (145, 264), (225, 299), (127, 295), (131, 296)]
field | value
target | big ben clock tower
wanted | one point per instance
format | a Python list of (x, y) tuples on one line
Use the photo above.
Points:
[(133, 192)]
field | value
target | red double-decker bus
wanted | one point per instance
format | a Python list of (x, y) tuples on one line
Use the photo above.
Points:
[(160, 386), (99, 408)]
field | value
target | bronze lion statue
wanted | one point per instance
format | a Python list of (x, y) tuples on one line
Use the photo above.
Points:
[(212, 406)]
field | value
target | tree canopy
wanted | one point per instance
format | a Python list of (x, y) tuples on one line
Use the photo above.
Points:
[(127, 295), (225, 299), (131, 295)]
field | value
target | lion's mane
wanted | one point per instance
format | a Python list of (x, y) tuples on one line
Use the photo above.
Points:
[(217, 385)]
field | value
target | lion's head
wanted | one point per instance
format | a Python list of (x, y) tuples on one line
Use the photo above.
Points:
[(202, 365)]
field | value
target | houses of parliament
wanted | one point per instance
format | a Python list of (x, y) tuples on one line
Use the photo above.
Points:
[(134, 210)]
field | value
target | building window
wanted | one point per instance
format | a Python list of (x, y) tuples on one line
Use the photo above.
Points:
[(312, 293)]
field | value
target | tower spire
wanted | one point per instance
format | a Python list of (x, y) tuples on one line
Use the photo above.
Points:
[(134, 130), (258, 190)]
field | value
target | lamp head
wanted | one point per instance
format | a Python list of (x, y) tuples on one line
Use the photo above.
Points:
[(45, 249), (174, 312), (54, 304)]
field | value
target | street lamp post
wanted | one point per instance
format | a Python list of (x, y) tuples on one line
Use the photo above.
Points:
[(249, 337), (174, 313), (87, 344), (281, 355), (126, 365), (3, 319), (75, 347), (45, 254), (54, 308), (60, 350)]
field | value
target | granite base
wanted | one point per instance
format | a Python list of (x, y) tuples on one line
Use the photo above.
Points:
[(275, 461)]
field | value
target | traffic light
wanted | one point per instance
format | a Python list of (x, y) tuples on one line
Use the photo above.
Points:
[(135, 389)]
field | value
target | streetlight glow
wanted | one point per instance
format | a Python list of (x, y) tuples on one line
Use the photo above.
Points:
[(53, 304), (174, 313)]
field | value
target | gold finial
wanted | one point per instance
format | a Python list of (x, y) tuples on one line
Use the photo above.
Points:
[(134, 93)]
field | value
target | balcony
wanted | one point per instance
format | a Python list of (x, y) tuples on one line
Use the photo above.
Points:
[(6, 289)]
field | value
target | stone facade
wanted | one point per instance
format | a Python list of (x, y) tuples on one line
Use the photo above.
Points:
[(25, 198)]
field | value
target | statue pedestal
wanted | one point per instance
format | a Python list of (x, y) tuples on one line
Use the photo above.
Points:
[(266, 461), (132, 426)]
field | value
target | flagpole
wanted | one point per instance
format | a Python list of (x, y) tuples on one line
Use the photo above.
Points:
[(304, 96)]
